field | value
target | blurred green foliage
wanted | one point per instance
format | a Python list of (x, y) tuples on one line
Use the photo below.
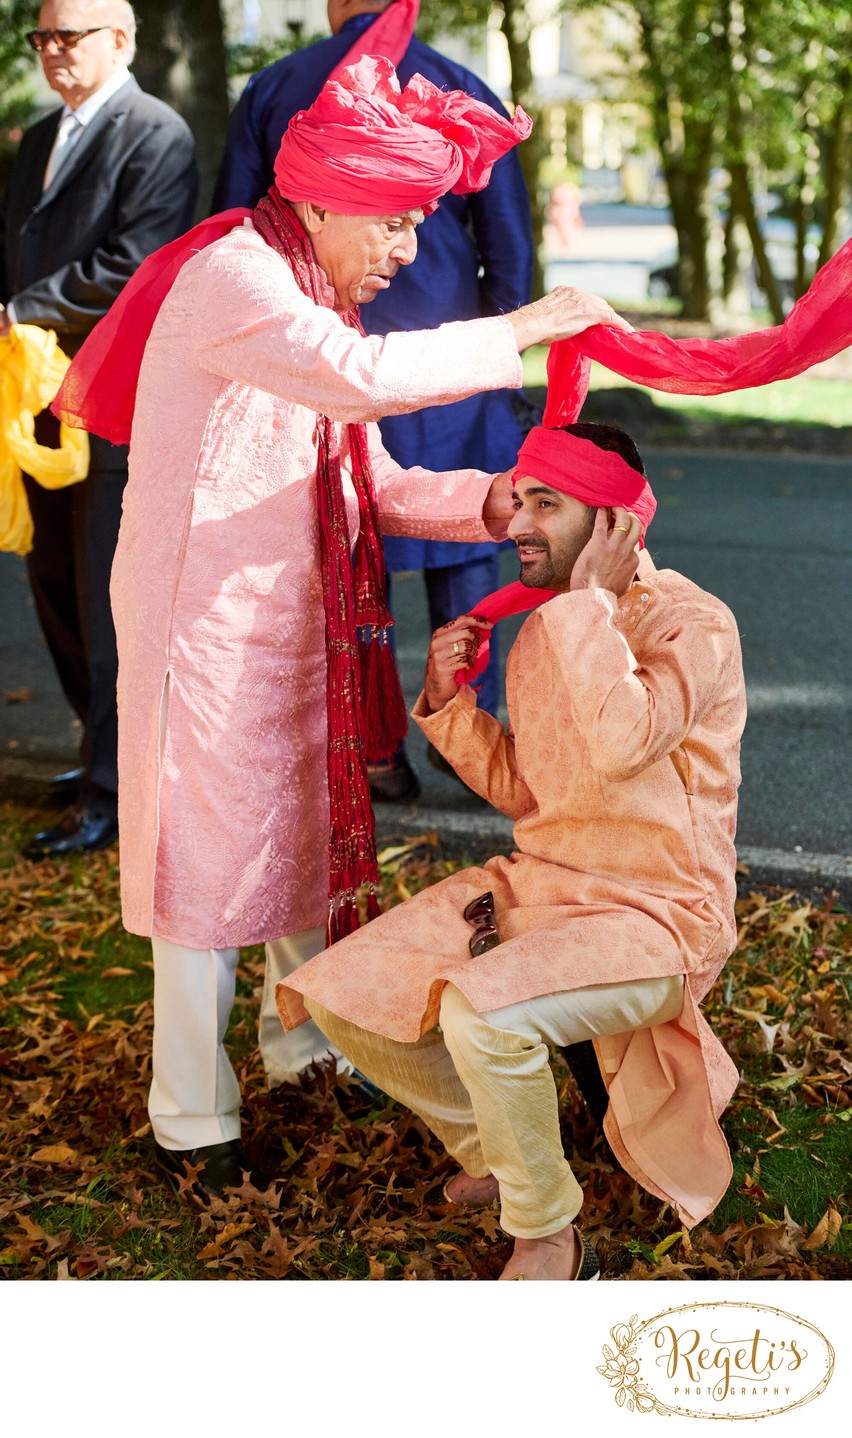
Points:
[(17, 63)]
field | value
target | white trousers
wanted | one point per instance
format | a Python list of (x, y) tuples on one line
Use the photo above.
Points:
[(484, 1086), (195, 1097)]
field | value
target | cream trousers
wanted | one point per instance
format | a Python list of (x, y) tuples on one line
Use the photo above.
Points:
[(483, 1084), (195, 1097)]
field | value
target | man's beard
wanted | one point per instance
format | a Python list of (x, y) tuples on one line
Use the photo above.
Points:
[(549, 571), (541, 574)]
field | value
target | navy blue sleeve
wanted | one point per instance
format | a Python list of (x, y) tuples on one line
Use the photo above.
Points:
[(243, 174), (502, 224), (503, 230)]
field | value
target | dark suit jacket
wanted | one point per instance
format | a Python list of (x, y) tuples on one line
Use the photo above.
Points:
[(128, 187)]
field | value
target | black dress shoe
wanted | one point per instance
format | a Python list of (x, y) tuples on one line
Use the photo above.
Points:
[(79, 831), (64, 788), (394, 783), (223, 1165)]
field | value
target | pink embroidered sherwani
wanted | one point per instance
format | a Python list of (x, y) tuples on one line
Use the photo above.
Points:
[(216, 585), (621, 771)]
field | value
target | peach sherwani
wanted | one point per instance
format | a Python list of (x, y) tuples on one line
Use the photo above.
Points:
[(223, 803), (621, 772)]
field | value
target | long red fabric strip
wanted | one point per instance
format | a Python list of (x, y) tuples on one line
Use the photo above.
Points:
[(514, 598), (389, 35), (818, 326)]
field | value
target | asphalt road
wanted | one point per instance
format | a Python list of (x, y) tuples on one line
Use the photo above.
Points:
[(771, 536)]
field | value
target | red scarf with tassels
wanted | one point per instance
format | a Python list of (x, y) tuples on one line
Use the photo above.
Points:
[(366, 712)]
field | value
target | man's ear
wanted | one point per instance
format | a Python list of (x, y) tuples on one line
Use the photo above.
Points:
[(313, 217)]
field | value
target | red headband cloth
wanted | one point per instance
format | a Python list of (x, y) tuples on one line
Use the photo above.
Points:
[(390, 35), (575, 466), (367, 147)]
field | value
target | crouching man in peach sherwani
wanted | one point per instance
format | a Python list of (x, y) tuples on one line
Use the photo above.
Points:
[(615, 914)]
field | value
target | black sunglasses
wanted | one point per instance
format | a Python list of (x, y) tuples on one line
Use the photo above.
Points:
[(65, 39), (480, 913)]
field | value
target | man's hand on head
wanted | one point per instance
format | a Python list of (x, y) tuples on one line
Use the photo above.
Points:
[(498, 508), (454, 646), (610, 558)]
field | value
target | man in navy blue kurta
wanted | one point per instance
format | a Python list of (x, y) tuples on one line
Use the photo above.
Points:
[(488, 231)]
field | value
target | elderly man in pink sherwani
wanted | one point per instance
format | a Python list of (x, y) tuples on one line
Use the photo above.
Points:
[(256, 466), (615, 914)]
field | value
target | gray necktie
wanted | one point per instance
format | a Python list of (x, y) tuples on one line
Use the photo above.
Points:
[(69, 125)]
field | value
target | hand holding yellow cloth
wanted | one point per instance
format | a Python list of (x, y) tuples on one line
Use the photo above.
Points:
[(32, 367)]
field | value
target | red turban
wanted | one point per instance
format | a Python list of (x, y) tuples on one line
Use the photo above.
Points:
[(366, 147)]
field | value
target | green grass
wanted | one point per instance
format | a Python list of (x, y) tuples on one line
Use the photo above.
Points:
[(803, 400)]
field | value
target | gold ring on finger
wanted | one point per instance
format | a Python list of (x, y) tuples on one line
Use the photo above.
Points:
[(621, 527)]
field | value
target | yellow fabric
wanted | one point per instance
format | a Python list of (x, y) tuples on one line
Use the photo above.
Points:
[(32, 367)]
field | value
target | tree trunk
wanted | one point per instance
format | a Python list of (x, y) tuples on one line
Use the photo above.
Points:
[(686, 166), (181, 59), (687, 187), (517, 27), (742, 197), (742, 200), (837, 169), (800, 220)]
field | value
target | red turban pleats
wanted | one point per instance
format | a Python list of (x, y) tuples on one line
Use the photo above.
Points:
[(366, 147)]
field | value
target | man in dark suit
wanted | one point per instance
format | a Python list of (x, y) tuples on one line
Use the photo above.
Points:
[(96, 187)]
